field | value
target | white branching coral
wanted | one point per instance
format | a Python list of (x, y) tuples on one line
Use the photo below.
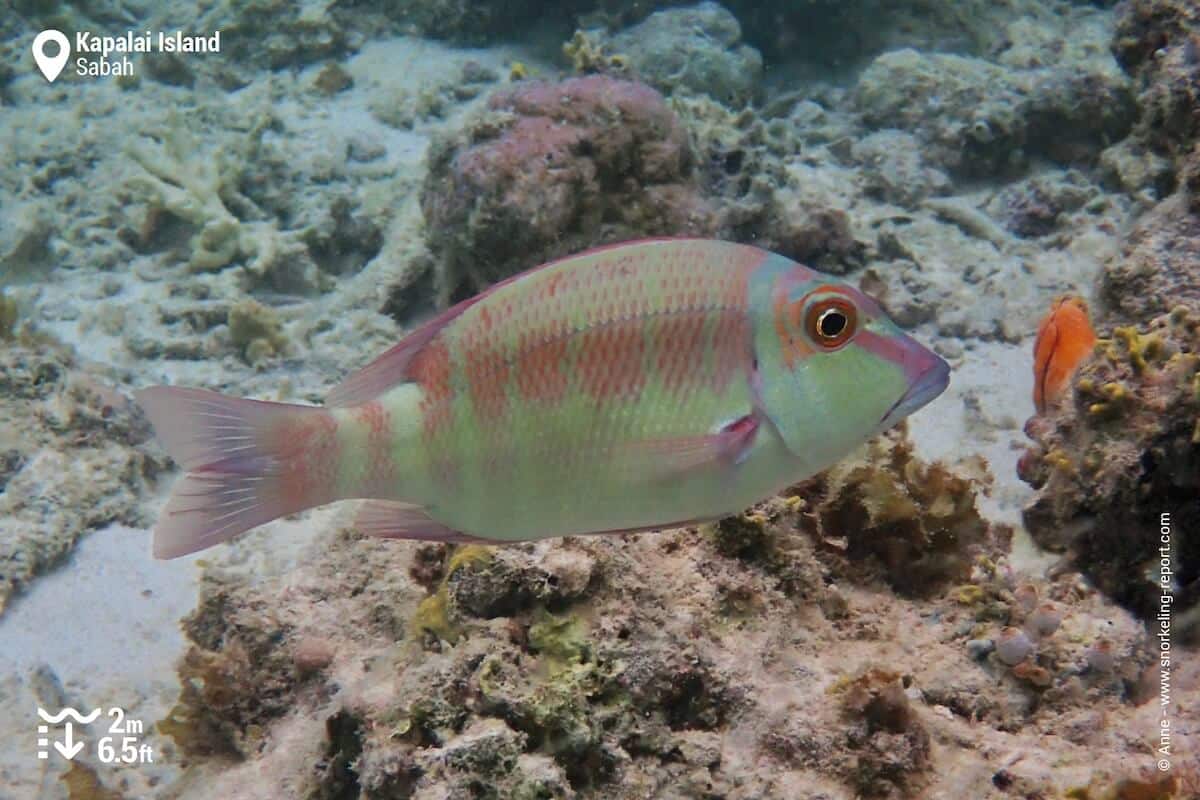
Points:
[(179, 178)]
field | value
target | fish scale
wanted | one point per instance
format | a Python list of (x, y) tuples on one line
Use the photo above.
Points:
[(632, 387)]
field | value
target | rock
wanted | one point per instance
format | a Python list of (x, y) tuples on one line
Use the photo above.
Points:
[(894, 169), (1039, 206), (698, 48), (978, 649), (69, 461), (966, 111), (1134, 167), (979, 118), (511, 579), (1158, 41), (1159, 266)]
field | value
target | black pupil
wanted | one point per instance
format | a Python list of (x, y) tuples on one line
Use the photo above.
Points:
[(832, 323)]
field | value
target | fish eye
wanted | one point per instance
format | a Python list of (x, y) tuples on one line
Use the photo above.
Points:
[(830, 322)]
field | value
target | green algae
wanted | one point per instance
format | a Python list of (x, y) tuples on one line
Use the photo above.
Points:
[(561, 640), (435, 615)]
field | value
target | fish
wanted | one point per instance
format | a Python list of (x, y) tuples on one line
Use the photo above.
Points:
[(634, 387), (1064, 338)]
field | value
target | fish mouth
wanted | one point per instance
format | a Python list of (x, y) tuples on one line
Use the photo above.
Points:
[(930, 383)]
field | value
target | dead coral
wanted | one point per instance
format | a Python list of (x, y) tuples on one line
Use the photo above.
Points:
[(917, 521), (1121, 462), (201, 191)]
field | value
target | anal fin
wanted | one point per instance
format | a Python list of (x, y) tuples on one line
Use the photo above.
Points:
[(386, 519)]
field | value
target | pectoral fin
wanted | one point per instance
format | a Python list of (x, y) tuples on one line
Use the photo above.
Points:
[(668, 458)]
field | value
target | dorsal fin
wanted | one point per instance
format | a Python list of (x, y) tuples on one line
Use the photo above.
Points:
[(391, 368)]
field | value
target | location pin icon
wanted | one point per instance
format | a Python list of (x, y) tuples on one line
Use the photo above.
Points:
[(51, 65)]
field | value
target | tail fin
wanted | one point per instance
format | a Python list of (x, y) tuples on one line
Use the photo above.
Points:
[(244, 460)]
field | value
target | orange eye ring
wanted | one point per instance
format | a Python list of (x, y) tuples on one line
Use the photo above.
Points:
[(831, 322)]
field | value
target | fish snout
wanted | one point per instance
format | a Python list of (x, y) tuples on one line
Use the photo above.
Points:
[(927, 374)]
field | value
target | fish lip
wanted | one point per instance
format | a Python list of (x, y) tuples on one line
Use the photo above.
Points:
[(931, 383)]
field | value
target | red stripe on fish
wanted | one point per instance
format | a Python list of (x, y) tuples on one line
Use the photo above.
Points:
[(680, 344), (611, 363), (430, 369), (734, 335), (731, 348), (380, 466), (312, 472), (542, 375), (487, 380), (883, 346)]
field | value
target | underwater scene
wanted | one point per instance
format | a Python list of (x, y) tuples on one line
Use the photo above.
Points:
[(593, 399)]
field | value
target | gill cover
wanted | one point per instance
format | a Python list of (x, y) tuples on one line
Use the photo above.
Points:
[(824, 361)]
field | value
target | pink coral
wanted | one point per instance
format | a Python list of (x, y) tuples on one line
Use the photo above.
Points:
[(554, 168)]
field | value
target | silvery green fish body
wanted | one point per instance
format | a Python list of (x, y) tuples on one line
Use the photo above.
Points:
[(632, 387)]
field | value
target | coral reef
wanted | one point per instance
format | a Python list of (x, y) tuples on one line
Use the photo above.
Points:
[(894, 743), (474, 22), (68, 463), (239, 221), (690, 663), (1157, 41), (1120, 461), (758, 191), (236, 675), (555, 168)]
